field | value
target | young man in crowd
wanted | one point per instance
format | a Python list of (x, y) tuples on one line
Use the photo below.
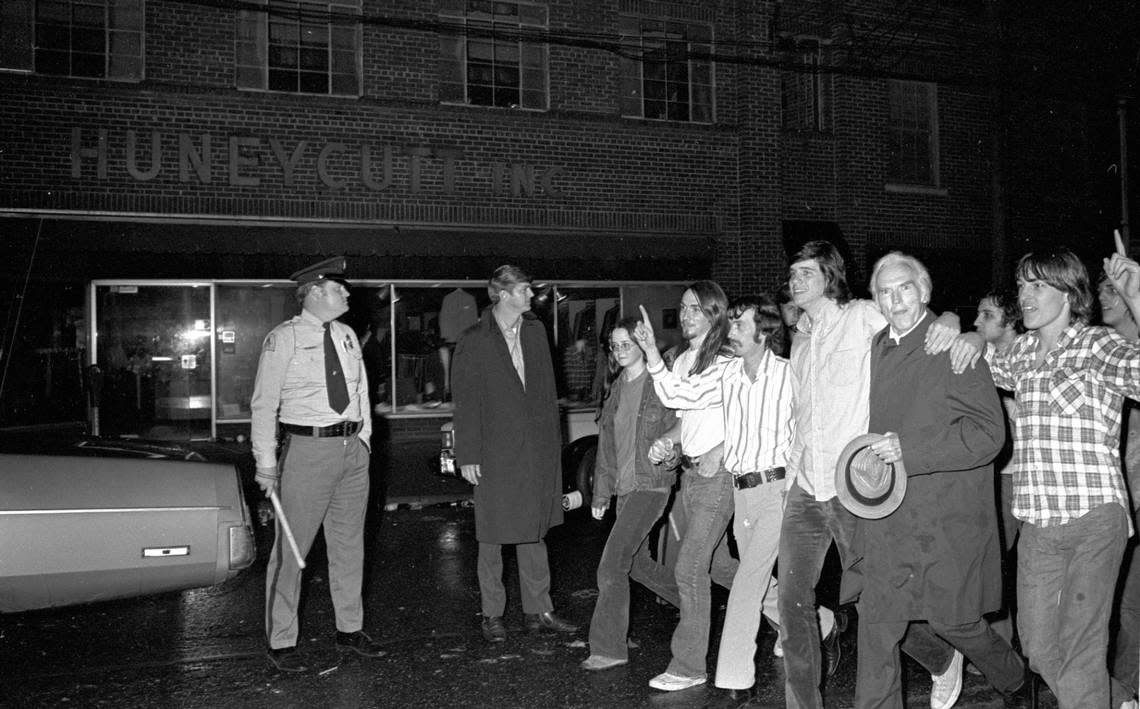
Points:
[(1070, 380)]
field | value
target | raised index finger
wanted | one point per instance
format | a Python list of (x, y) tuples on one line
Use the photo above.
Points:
[(644, 315), (1119, 243)]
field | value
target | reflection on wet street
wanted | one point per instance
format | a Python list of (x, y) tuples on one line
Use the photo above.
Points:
[(204, 648)]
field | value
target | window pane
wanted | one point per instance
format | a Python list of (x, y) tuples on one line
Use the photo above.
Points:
[(88, 65), (480, 95), (282, 80), (506, 98), (313, 83)]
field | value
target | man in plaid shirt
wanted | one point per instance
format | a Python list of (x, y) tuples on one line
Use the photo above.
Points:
[(1070, 380)]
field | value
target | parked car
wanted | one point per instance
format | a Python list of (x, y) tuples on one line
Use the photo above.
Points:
[(578, 458), (100, 519)]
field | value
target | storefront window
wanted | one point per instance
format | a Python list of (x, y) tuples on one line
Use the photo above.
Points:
[(245, 315), (179, 359)]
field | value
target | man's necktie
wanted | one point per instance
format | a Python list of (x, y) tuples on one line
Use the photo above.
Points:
[(334, 377)]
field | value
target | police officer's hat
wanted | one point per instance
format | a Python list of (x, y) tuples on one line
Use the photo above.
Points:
[(328, 270)]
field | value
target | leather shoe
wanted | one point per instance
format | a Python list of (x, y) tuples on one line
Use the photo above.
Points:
[(538, 621), (1025, 696), (360, 643), (493, 629), (286, 659), (832, 651)]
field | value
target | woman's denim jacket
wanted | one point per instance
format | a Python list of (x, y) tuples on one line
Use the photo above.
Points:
[(653, 421)]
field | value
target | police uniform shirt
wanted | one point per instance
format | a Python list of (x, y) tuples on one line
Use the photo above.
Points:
[(290, 383)]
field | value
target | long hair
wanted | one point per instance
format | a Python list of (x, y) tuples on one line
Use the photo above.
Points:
[(613, 369), (714, 304), (831, 265), (766, 315), (1061, 269)]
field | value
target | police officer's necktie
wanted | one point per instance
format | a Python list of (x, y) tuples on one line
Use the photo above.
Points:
[(334, 376)]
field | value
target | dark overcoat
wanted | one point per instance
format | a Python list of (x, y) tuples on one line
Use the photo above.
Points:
[(512, 432), (937, 556)]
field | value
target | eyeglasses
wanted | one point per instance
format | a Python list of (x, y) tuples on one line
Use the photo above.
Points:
[(622, 346)]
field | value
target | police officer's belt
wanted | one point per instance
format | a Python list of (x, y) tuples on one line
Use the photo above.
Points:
[(343, 428), (747, 480)]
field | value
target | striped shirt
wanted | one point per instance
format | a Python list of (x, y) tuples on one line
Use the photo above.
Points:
[(1066, 449), (757, 414), (702, 427)]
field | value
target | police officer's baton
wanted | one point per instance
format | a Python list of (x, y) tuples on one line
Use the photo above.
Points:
[(285, 526)]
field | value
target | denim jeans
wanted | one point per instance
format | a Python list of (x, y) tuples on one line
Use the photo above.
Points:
[(756, 526), (637, 512), (806, 533), (1126, 656), (708, 508), (1066, 575)]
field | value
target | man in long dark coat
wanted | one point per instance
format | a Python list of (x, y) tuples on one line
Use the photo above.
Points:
[(932, 567), (508, 445)]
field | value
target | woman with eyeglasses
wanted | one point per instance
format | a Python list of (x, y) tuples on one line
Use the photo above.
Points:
[(632, 418)]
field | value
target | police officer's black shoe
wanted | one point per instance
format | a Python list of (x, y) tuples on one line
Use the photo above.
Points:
[(538, 621), (286, 659), (360, 643)]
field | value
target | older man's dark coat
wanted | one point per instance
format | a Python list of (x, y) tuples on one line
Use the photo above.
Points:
[(937, 556), (512, 432)]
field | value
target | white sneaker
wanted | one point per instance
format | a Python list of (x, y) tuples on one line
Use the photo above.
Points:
[(668, 682), (1130, 704), (947, 686)]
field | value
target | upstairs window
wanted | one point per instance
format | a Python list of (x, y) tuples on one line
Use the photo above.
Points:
[(300, 46), (667, 70), (96, 39), (490, 56), (805, 90), (913, 127)]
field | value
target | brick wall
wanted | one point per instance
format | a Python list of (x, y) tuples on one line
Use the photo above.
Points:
[(737, 180)]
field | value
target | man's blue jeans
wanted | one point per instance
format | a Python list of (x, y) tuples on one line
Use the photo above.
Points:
[(806, 533), (1066, 576), (708, 507), (637, 512)]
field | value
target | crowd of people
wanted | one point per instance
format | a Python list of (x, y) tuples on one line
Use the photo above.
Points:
[(972, 483)]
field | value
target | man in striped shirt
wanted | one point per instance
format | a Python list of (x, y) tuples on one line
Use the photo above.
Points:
[(1070, 380), (753, 390)]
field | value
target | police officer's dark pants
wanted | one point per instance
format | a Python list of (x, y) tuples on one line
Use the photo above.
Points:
[(323, 481), (534, 578), (879, 683)]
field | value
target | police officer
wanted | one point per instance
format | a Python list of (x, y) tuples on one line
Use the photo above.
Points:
[(312, 391)]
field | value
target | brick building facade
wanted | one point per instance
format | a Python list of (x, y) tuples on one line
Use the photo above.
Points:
[(584, 139)]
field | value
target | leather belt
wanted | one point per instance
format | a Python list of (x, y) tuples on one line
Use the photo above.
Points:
[(747, 480), (336, 430), (690, 461)]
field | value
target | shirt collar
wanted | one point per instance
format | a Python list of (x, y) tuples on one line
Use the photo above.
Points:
[(897, 337), (311, 319), (828, 312)]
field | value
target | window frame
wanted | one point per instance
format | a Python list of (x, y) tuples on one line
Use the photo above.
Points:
[(533, 58), (634, 81), (815, 85), (904, 133), (119, 31), (255, 47)]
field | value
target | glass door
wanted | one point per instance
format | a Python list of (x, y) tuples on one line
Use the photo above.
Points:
[(153, 354)]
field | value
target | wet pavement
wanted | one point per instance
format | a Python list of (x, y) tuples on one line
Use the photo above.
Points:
[(204, 648)]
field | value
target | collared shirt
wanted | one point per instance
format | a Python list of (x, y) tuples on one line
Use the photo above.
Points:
[(757, 414), (290, 383), (702, 428), (897, 336), (831, 379), (1066, 450)]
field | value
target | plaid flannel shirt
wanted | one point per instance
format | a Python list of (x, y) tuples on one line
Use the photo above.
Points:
[(1066, 451)]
